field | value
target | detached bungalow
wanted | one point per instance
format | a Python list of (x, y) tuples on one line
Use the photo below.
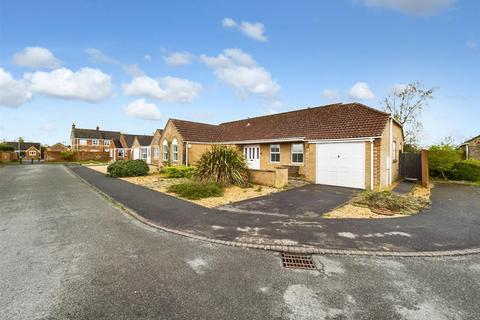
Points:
[(30, 150), (142, 149), (349, 145)]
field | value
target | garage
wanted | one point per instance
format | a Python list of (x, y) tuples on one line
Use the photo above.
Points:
[(341, 164)]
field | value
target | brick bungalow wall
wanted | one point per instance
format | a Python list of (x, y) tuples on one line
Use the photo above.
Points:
[(32, 153)]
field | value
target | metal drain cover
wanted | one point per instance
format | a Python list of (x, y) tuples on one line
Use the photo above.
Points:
[(297, 261)]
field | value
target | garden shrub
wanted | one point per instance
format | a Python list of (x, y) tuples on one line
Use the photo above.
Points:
[(197, 190), (466, 170), (6, 147), (66, 155), (222, 164), (392, 202), (177, 171), (128, 168), (441, 159)]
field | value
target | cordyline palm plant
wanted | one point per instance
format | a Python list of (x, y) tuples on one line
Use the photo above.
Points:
[(224, 165)]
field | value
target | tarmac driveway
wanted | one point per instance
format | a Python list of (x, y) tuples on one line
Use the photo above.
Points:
[(308, 201), (452, 223)]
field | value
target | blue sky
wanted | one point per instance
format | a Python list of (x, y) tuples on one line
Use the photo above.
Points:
[(130, 65)]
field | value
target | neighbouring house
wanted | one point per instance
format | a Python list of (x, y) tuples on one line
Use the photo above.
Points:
[(349, 145), (123, 147), (471, 148), (27, 150), (141, 148), (93, 144), (54, 152), (155, 147)]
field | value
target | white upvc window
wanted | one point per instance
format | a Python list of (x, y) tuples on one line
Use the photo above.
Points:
[(165, 150), (95, 142), (106, 142), (83, 142), (297, 152), (121, 153), (174, 150), (144, 153), (32, 153), (156, 152), (394, 150), (275, 153)]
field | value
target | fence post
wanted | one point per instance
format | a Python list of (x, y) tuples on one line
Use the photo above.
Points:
[(425, 170)]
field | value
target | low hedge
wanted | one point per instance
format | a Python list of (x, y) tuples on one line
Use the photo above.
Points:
[(6, 147), (197, 190), (466, 170), (178, 171), (128, 168)]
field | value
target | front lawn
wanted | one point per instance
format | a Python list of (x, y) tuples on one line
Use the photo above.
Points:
[(232, 193)]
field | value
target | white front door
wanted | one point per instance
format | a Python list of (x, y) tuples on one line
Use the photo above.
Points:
[(136, 153), (341, 164), (252, 154)]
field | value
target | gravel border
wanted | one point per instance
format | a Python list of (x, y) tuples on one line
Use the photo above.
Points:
[(278, 248)]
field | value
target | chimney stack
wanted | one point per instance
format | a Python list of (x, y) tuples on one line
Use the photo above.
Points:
[(98, 128), (73, 125)]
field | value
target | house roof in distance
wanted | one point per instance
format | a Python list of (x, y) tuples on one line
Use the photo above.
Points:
[(329, 122), (94, 133), (144, 140), (23, 145)]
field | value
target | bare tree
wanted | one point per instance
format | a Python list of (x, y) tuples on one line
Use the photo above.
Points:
[(406, 104)]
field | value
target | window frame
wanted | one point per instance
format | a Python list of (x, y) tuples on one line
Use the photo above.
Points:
[(83, 142), (95, 142), (106, 143), (277, 146), (292, 153), (165, 150), (175, 150), (144, 151), (156, 152), (32, 153)]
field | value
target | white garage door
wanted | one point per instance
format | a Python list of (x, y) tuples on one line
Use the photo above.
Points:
[(341, 164)]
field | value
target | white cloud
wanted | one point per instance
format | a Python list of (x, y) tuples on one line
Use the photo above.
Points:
[(86, 84), (399, 87), (254, 30), (331, 94), (142, 110), (239, 70), (229, 23), (165, 89), (147, 57), (36, 57), (361, 91), (178, 58), (97, 56), (471, 44), (13, 93), (415, 7)]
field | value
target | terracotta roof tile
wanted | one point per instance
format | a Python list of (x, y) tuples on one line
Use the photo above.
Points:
[(336, 121)]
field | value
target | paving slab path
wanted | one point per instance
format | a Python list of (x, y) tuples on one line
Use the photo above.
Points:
[(452, 222)]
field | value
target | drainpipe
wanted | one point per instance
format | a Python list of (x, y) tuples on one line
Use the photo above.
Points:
[(371, 164), (390, 162), (466, 152), (186, 153)]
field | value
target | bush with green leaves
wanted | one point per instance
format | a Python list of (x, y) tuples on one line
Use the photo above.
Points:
[(197, 190), (177, 171), (441, 159), (6, 147), (66, 155), (466, 170), (222, 164), (128, 168)]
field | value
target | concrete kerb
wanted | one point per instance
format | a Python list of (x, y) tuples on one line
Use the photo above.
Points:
[(278, 248)]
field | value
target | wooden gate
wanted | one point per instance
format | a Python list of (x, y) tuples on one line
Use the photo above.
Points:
[(411, 165)]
